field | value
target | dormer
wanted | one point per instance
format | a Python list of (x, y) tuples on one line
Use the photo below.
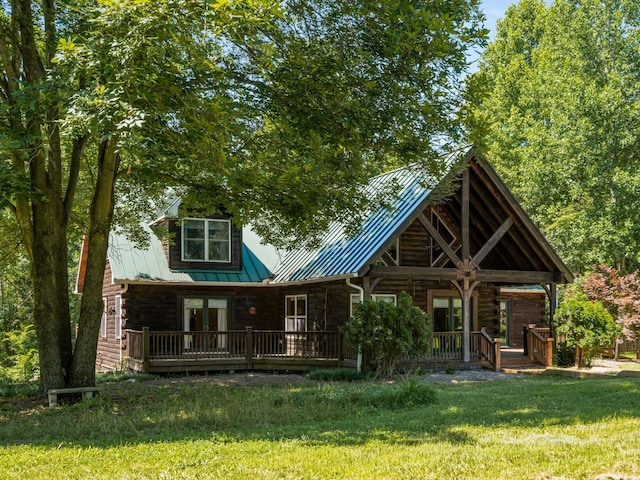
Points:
[(204, 243)]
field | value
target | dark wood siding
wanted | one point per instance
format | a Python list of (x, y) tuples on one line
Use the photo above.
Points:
[(524, 309), (109, 352)]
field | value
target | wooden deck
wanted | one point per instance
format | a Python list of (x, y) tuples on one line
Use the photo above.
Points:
[(161, 352)]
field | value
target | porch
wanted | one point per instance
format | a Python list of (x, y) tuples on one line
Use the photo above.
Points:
[(171, 351)]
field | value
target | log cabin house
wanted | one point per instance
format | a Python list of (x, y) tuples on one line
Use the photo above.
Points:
[(217, 298)]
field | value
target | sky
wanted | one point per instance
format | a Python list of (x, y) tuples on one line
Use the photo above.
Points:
[(494, 9)]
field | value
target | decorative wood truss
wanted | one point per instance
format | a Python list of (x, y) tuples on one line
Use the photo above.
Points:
[(480, 234)]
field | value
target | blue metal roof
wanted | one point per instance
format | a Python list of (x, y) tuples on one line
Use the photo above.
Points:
[(339, 255)]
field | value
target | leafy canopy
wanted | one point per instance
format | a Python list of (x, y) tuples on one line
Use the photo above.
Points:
[(560, 123)]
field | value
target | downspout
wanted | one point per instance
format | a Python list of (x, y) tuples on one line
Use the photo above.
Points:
[(125, 288), (361, 290)]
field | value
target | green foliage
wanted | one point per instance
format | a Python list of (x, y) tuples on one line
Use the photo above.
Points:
[(559, 123), (390, 332), (337, 375), (585, 324), (278, 112)]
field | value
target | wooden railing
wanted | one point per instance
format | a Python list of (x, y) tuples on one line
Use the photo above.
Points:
[(488, 348), (540, 345), (146, 346)]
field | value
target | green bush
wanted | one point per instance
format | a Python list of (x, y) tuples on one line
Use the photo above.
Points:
[(390, 332), (586, 325)]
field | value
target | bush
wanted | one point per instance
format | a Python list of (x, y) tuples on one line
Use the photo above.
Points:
[(390, 332), (587, 326)]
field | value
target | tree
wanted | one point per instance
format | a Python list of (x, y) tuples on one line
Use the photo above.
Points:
[(279, 112), (560, 123), (390, 332), (619, 294), (586, 325)]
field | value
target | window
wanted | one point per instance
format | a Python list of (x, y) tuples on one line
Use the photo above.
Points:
[(383, 297), (295, 313), (103, 320), (118, 317), (206, 240), (447, 314), (205, 315)]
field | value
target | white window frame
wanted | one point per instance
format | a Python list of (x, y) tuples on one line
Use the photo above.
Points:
[(103, 320), (206, 222), (118, 317), (354, 299), (385, 297), (296, 319)]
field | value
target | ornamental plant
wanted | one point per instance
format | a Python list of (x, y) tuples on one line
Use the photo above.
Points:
[(586, 324), (390, 332)]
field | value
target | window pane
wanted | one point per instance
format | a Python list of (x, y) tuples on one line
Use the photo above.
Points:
[(219, 251), (193, 229), (193, 239), (301, 308), (291, 306), (218, 230)]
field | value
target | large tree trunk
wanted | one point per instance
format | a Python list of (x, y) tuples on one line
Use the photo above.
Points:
[(102, 206), (51, 298)]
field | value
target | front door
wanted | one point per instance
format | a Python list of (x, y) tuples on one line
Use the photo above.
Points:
[(205, 315)]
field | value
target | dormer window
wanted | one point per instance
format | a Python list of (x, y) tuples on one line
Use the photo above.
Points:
[(206, 240)]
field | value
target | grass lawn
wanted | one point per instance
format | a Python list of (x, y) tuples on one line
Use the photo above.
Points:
[(200, 427)]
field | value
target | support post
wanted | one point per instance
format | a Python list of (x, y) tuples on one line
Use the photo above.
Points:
[(497, 354), (548, 361), (530, 340), (340, 345), (249, 348), (146, 349)]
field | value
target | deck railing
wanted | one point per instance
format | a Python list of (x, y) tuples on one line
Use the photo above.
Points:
[(488, 348), (540, 345), (147, 346)]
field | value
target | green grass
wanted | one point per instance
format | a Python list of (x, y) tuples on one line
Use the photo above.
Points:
[(521, 428)]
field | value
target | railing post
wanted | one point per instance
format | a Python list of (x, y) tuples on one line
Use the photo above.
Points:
[(340, 345), (249, 348), (146, 349), (497, 353), (549, 357), (530, 341)]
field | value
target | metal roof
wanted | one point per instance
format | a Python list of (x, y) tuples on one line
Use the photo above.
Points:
[(339, 255), (130, 264)]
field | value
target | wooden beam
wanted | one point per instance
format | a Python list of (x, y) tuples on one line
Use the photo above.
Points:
[(442, 243), (416, 273), (465, 215), (492, 242), (512, 277)]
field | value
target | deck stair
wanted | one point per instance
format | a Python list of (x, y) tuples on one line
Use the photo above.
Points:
[(514, 361)]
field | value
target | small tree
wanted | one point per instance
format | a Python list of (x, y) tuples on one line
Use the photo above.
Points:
[(587, 325), (390, 332)]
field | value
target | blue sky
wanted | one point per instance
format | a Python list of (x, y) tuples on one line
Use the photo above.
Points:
[(494, 9)]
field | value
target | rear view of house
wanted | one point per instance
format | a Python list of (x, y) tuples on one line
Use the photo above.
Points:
[(216, 297)]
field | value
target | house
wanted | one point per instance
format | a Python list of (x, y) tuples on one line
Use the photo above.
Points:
[(218, 298)]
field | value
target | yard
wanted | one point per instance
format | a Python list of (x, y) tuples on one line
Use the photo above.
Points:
[(282, 426)]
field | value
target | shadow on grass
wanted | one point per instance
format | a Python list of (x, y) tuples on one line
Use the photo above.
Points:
[(139, 413)]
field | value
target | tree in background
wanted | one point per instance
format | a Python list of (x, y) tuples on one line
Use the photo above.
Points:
[(389, 332), (585, 324), (280, 112), (620, 295), (560, 122)]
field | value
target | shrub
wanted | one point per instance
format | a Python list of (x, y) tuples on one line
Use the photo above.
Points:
[(588, 327), (390, 332)]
